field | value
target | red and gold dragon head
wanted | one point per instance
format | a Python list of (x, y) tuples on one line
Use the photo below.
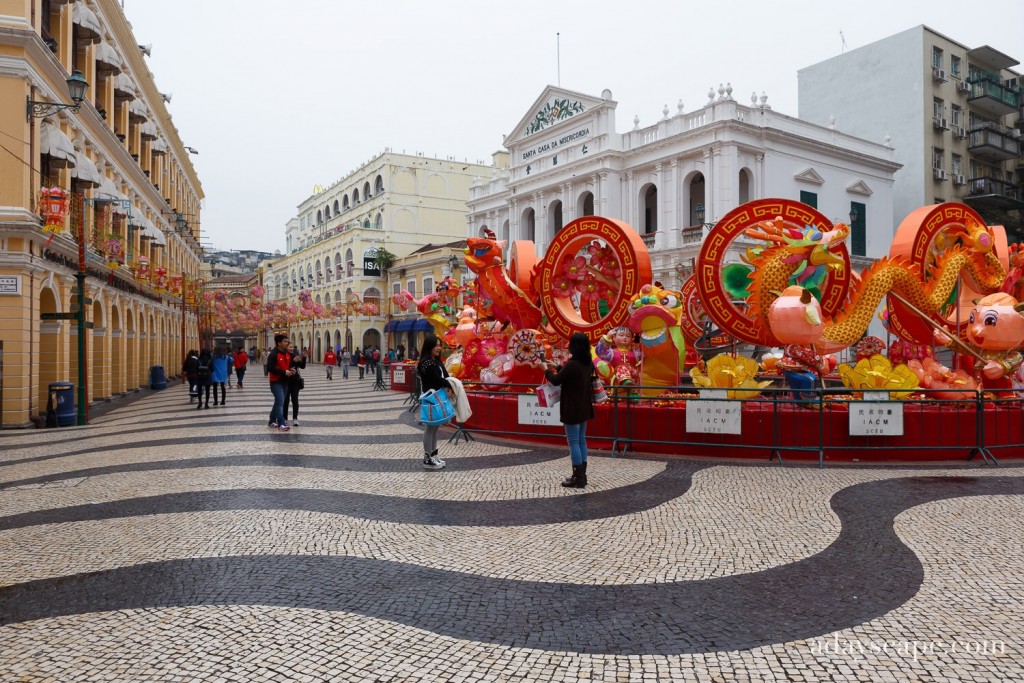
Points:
[(484, 252)]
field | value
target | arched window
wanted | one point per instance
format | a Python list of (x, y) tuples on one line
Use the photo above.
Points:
[(309, 275), (328, 273), (745, 177), (319, 217), (336, 212), (366, 190), (277, 287), (337, 265), (555, 218), (337, 296), (529, 225), (327, 212), (649, 201), (327, 298), (697, 199), (585, 204), (349, 265), (378, 185), (295, 279), (319, 273), (372, 296), (380, 222), (355, 196), (317, 300), (344, 203)]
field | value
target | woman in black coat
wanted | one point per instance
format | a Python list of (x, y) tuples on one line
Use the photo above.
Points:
[(576, 405)]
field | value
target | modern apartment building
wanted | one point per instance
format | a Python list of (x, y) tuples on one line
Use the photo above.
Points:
[(396, 202), (671, 180), (952, 113), (81, 116)]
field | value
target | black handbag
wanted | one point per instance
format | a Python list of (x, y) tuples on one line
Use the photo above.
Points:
[(299, 382)]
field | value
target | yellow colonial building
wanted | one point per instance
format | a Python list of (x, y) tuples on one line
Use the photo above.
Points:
[(89, 158), (395, 202)]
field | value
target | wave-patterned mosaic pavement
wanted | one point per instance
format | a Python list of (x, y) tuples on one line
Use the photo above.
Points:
[(165, 543)]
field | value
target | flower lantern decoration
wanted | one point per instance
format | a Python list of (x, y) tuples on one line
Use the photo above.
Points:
[(257, 292), (140, 269), (113, 249), (54, 203), (160, 279)]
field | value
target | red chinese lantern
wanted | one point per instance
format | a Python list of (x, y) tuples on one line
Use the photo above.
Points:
[(160, 279), (54, 203), (113, 249), (176, 283), (140, 269)]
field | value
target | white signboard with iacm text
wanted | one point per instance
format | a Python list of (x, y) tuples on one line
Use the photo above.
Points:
[(531, 412), (876, 415), (713, 417), (399, 375), (10, 284)]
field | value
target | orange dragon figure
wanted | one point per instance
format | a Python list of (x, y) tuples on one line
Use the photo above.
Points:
[(972, 250), (510, 304), (655, 315)]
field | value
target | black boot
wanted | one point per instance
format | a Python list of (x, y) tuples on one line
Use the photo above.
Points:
[(570, 483), (581, 476)]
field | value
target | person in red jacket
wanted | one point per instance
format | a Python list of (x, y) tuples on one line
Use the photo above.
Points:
[(241, 363), (330, 360)]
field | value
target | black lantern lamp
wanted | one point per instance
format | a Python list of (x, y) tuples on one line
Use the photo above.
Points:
[(77, 85)]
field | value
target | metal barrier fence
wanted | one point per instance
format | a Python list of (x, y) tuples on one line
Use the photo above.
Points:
[(934, 425)]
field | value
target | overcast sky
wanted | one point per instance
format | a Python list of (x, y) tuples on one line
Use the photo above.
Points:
[(280, 96)]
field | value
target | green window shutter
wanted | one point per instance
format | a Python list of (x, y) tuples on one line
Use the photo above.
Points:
[(809, 198), (858, 229)]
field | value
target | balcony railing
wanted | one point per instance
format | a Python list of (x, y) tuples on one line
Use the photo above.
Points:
[(993, 140), (693, 234), (993, 96), (993, 186), (648, 239)]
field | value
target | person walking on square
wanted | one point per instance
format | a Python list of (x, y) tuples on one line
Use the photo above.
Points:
[(295, 384), (241, 363), (279, 369), (264, 357), (344, 360), (330, 360), (219, 375), (231, 368), (189, 371), (433, 375), (576, 406), (204, 372), (361, 362)]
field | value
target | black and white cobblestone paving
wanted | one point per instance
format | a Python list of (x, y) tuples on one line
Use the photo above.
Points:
[(162, 543)]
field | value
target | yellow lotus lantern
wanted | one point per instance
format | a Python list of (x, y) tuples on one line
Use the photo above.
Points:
[(877, 373), (737, 374)]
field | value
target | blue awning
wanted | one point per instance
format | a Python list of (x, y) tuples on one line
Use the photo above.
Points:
[(405, 325), (422, 325), (392, 326)]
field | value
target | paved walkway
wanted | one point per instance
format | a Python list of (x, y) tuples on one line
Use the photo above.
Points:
[(165, 543)]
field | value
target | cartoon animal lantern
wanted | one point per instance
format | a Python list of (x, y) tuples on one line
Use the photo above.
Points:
[(509, 303), (617, 358), (436, 307), (995, 332), (655, 314), (795, 320)]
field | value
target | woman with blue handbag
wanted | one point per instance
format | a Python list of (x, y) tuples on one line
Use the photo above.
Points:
[(433, 376), (576, 378)]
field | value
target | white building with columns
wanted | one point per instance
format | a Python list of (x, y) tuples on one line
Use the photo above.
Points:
[(669, 180)]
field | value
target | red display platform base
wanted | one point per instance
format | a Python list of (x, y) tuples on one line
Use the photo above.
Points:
[(931, 431)]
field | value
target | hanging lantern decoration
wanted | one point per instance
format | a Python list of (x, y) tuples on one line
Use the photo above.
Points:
[(140, 269), (54, 203), (176, 284), (257, 291), (160, 279), (113, 250)]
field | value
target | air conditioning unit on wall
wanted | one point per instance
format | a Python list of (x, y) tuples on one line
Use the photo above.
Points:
[(959, 180), (940, 123), (940, 173), (963, 86), (960, 132), (939, 74)]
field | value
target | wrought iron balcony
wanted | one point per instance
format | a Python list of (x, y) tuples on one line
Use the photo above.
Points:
[(693, 234), (993, 141)]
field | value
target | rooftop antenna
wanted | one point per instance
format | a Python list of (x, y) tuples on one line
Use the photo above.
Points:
[(558, 56), (843, 39)]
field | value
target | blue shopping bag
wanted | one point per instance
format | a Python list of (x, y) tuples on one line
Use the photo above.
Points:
[(436, 408)]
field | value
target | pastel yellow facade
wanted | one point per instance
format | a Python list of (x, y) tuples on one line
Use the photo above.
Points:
[(398, 202), (132, 194)]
